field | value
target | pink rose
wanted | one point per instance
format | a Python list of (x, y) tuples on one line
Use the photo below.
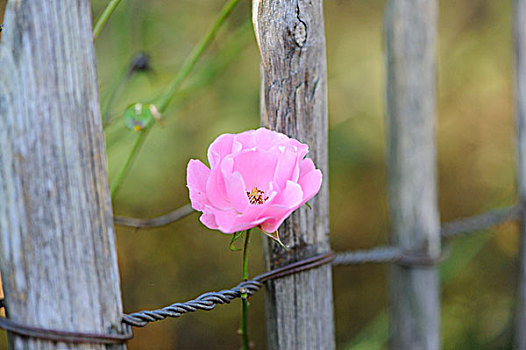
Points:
[(256, 178)]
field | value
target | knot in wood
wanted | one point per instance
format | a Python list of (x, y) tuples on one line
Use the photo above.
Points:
[(300, 33)]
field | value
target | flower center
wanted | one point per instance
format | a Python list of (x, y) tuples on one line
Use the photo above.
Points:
[(257, 196)]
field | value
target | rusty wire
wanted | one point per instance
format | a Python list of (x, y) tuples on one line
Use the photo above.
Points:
[(208, 301), (384, 254), (64, 336)]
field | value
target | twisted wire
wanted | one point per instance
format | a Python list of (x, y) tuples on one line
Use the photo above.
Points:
[(207, 301), (382, 254)]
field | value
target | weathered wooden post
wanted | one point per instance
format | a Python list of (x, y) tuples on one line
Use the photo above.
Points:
[(291, 39), (410, 30), (520, 103), (57, 247)]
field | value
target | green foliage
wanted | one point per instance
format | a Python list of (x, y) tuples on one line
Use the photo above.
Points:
[(475, 153), (235, 237)]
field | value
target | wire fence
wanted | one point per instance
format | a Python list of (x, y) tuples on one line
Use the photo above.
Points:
[(209, 300), (377, 255)]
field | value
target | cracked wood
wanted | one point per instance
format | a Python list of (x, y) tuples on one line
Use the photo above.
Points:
[(291, 40), (57, 244)]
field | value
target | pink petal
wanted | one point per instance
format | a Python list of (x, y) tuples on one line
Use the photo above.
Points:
[(291, 197), (306, 166), (265, 139), (256, 167), (255, 214), (209, 220), (221, 147), (236, 191), (235, 186), (246, 139), (288, 201), (310, 184), (271, 225), (287, 164), (196, 177), (197, 174), (216, 190), (226, 220), (242, 225), (301, 148)]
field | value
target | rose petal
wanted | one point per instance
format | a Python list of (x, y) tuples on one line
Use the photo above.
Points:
[(197, 174), (216, 190), (209, 220), (287, 166), (235, 186), (310, 184), (266, 139), (241, 225), (255, 214), (272, 225), (291, 197), (236, 191), (306, 166), (256, 167), (287, 201), (246, 139), (196, 177), (226, 220), (221, 147)]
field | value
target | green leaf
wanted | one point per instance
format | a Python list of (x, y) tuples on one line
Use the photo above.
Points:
[(235, 237), (308, 205)]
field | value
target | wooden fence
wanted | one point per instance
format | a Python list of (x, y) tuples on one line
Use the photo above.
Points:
[(57, 239), (59, 262)]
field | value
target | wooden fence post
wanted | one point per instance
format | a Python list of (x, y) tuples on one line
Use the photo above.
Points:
[(410, 30), (520, 103), (57, 244), (291, 39)]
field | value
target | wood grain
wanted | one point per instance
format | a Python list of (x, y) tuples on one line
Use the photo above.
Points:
[(58, 258), (291, 40), (410, 36)]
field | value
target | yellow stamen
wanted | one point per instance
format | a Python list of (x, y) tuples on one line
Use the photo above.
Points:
[(256, 196)]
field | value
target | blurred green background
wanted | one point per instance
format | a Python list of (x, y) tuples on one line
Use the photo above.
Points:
[(476, 165)]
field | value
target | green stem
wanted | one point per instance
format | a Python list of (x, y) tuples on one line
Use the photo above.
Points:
[(244, 296), (139, 141), (212, 69), (106, 120), (194, 56), (103, 18), (164, 100), (245, 257)]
